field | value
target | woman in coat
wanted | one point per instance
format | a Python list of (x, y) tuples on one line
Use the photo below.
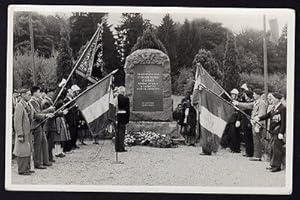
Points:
[(189, 123)]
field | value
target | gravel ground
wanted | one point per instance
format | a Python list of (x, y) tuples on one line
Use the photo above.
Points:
[(182, 166)]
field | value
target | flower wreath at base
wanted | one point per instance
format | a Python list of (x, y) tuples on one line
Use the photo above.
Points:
[(149, 138)]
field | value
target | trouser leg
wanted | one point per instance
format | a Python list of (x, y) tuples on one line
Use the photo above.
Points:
[(45, 151), (37, 148), (277, 155), (23, 164), (249, 142), (117, 138), (122, 137), (257, 145), (50, 140)]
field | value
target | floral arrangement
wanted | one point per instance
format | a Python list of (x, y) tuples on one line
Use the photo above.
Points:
[(149, 138)]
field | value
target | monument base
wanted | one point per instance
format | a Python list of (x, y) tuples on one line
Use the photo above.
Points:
[(162, 128)]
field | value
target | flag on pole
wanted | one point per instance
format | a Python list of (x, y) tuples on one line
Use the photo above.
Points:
[(91, 56), (204, 78), (95, 105), (214, 114)]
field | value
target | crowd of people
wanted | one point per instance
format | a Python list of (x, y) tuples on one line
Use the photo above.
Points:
[(45, 130), (257, 123)]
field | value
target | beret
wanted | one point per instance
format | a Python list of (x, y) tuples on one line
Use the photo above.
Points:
[(234, 91), (258, 91), (277, 95)]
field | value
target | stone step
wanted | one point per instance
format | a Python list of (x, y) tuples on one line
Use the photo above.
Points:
[(179, 140)]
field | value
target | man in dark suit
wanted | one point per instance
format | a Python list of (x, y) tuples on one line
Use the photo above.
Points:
[(122, 119), (40, 144), (277, 129), (50, 124)]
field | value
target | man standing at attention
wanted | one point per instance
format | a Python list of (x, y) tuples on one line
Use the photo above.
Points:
[(277, 129), (40, 144), (122, 119), (22, 120)]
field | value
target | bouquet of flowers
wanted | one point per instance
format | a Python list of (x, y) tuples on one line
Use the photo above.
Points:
[(149, 138)]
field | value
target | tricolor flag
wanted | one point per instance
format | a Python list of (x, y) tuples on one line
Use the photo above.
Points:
[(96, 105), (213, 111)]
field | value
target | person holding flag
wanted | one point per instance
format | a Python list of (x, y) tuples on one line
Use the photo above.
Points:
[(259, 109), (277, 129)]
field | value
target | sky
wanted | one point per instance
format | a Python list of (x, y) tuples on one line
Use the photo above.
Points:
[(234, 19), (234, 22)]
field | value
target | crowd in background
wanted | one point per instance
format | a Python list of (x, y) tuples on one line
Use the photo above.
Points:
[(258, 123)]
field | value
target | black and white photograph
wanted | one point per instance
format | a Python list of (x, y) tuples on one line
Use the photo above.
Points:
[(150, 99)]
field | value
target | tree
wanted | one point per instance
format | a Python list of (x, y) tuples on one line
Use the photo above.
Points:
[(166, 33), (231, 78), (43, 40), (131, 28), (183, 45), (206, 60), (83, 26), (149, 41), (64, 58)]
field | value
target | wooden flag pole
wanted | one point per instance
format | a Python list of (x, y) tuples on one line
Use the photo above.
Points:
[(236, 108), (77, 63), (265, 61)]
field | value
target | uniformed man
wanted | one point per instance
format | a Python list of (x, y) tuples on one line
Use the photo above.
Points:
[(122, 119), (40, 144), (22, 122), (259, 108), (277, 129)]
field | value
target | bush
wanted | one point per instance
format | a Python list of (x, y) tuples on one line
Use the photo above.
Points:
[(276, 82), (184, 82), (22, 71)]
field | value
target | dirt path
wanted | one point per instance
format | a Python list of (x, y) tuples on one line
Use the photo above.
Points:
[(182, 166)]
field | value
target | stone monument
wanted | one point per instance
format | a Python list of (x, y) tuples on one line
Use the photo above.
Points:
[(148, 86)]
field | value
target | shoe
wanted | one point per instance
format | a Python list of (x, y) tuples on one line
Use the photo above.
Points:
[(82, 143), (95, 142), (24, 173), (205, 154), (255, 159), (52, 160), (61, 155), (76, 147), (40, 167), (31, 171), (269, 168), (277, 169), (48, 164)]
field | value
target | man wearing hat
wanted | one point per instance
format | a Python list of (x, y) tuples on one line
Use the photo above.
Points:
[(277, 129), (259, 108), (231, 136), (40, 145), (22, 120), (246, 126), (50, 124)]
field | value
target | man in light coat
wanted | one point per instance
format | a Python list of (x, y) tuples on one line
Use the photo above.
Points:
[(259, 109), (22, 120)]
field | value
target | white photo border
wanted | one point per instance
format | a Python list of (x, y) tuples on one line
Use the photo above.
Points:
[(287, 189)]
